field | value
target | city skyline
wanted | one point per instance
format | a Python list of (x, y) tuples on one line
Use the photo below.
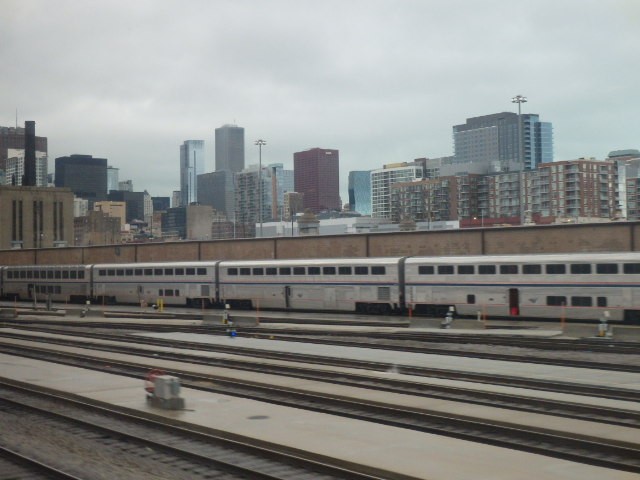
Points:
[(381, 84)]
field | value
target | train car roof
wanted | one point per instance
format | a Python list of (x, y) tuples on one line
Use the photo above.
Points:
[(530, 258), (312, 261), (194, 263)]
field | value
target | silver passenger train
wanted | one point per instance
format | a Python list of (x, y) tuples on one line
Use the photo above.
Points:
[(571, 286)]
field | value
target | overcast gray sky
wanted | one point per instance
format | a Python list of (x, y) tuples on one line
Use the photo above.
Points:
[(383, 81)]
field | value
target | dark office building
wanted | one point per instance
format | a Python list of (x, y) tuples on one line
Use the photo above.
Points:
[(134, 201), (174, 222), (230, 148), (217, 190), (84, 175), (161, 204), (317, 175)]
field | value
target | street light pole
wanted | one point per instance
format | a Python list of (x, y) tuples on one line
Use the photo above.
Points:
[(520, 99), (260, 143)]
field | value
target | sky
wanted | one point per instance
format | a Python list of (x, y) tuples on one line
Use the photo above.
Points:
[(382, 81)]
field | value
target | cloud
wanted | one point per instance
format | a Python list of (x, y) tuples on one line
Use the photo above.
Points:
[(382, 81)]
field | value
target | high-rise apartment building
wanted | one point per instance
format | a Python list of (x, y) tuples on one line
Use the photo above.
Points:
[(493, 141), (85, 175), (191, 165), (360, 191), (381, 181), (230, 148), (317, 177)]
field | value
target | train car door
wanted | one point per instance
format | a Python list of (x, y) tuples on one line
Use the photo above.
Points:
[(514, 302), (330, 298), (287, 296)]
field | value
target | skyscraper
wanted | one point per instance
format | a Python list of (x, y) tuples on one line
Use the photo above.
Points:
[(317, 176), (191, 165), (85, 175), (230, 148), (492, 140)]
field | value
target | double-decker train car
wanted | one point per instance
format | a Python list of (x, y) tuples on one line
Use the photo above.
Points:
[(576, 286), (371, 285), (59, 282), (177, 283)]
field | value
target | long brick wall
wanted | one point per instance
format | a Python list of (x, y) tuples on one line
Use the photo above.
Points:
[(606, 237)]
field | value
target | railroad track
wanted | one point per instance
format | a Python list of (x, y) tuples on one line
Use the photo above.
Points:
[(15, 465), (127, 346), (530, 439), (123, 445)]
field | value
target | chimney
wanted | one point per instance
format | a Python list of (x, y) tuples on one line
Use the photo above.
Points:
[(29, 178)]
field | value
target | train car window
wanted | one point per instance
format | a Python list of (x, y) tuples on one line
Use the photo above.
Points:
[(272, 271), (65, 274), (137, 272), (30, 274), (466, 270), (129, 272), (299, 271), (58, 274), (313, 270), (9, 274), (36, 274), (631, 268), (58, 289), (556, 300), (426, 270), (73, 274), (445, 269), (232, 271), (328, 270), (245, 271), (487, 269), (43, 274), (509, 269), (50, 274), (581, 301), (285, 270), (168, 271), (378, 270), (179, 271), (23, 274), (201, 271), (160, 293), (602, 301), (168, 293), (604, 268), (471, 299), (532, 269), (579, 268), (120, 272), (102, 273), (191, 271), (81, 274), (557, 268), (361, 270), (258, 271), (148, 272), (158, 271), (344, 270), (177, 293), (111, 272)]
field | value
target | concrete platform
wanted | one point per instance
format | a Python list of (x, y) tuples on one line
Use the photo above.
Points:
[(414, 454)]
